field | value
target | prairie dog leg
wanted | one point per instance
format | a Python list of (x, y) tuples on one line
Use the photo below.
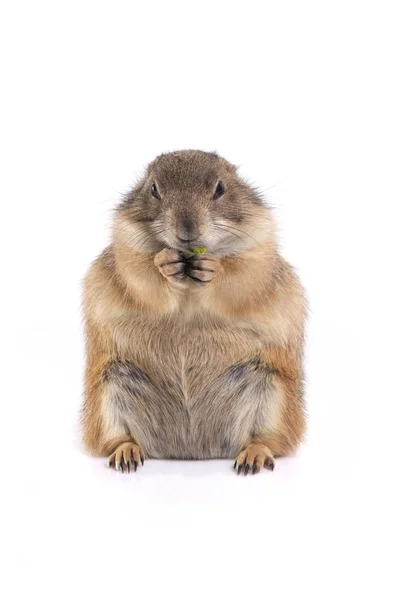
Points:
[(279, 423), (119, 441)]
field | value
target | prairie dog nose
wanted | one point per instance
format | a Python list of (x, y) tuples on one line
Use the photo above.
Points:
[(187, 230)]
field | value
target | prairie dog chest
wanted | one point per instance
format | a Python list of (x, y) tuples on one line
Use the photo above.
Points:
[(186, 345)]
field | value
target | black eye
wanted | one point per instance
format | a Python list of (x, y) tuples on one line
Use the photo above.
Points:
[(219, 190), (154, 192)]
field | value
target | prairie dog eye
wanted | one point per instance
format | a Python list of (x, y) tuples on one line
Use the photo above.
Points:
[(219, 190), (154, 192)]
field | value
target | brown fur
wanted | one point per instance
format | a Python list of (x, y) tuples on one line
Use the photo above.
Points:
[(193, 356)]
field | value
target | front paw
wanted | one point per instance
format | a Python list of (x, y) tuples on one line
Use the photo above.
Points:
[(171, 264), (202, 268)]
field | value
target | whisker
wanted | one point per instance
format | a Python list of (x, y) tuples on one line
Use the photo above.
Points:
[(229, 228)]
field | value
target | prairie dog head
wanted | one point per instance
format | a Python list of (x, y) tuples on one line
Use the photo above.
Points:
[(192, 199)]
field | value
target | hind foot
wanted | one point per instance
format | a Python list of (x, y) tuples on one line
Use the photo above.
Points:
[(126, 457), (253, 458)]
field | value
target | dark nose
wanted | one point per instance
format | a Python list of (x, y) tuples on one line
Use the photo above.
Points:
[(188, 230)]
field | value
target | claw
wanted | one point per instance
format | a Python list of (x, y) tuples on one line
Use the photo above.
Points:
[(240, 467), (247, 469), (126, 458), (234, 466), (269, 464), (256, 469)]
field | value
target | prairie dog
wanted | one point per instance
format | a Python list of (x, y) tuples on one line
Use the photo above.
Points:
[(193, 356)]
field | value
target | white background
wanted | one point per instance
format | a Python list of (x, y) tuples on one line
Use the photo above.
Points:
[(304, 97)]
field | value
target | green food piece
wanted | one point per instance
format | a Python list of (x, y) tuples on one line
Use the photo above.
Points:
[(199, 250)]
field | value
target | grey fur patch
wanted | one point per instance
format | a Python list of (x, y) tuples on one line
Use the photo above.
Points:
[(125, 371), (243, 370)]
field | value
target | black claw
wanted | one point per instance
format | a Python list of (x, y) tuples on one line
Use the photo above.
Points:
[(135, 464), (240, 467), (142, 460), (122, 466), (128, 466), (234, 466), (247, 469), (256, 469)]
